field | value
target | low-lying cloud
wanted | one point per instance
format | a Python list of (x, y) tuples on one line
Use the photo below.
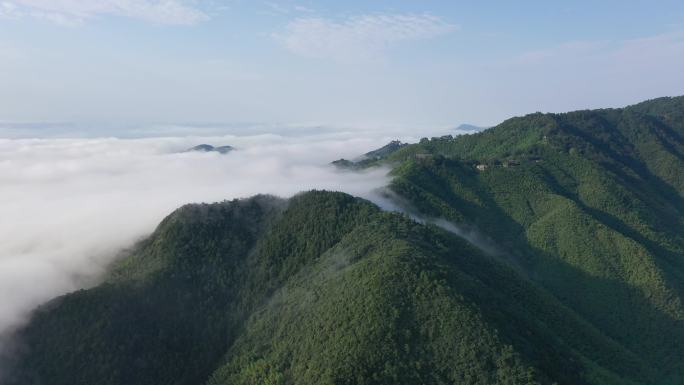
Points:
[(69, 205)]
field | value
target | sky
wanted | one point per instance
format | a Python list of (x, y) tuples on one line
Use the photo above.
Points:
[(415, 65)]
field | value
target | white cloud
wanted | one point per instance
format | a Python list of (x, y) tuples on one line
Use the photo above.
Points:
[(359, 36), (68, 205), (286, 9), (646, 52), (73, 12), (9, 10), (303, 9)]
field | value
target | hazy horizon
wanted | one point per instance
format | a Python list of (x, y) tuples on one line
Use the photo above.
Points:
[(27, 130), (324, 63)]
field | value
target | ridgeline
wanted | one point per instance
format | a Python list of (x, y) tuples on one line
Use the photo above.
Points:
[(325, 288)]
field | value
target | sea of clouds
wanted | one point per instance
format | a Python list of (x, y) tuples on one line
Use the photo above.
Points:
[(69, 206)]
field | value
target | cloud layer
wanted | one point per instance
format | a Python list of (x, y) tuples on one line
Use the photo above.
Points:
[(71, 12), (69, 205), (362, 36)]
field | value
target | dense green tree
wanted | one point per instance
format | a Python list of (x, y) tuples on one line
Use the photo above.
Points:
[(560, 260)]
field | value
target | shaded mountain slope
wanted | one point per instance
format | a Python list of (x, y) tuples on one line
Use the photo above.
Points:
[(584, 212), (166, 313), (590, 202), (324, 288), (398, 302)]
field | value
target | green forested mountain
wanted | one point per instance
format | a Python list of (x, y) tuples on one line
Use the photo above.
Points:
[(585, 212)]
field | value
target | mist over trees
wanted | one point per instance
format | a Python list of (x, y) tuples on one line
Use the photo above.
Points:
[(584, 287)]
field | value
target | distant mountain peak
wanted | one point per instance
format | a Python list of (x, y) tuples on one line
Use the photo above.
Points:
[(209, 148), (371, 156), (470, 127), (385, 150)]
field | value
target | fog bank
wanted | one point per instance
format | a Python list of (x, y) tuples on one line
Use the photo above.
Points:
[(69, 205)]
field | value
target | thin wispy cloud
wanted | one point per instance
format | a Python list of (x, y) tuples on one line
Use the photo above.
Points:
[(615, 63), (285, 9), (9, 10), (75, 12), (363, 36), (587, 73), (625, 53)]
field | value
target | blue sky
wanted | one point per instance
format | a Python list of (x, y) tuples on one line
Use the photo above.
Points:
[(416, 64)]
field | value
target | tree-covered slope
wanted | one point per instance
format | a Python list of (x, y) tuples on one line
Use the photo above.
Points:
[(402, 303), (323, 289), (166, 313), (576, 275), (590, 203)]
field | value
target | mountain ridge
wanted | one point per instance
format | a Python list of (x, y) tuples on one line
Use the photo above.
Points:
[(325, 288)]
